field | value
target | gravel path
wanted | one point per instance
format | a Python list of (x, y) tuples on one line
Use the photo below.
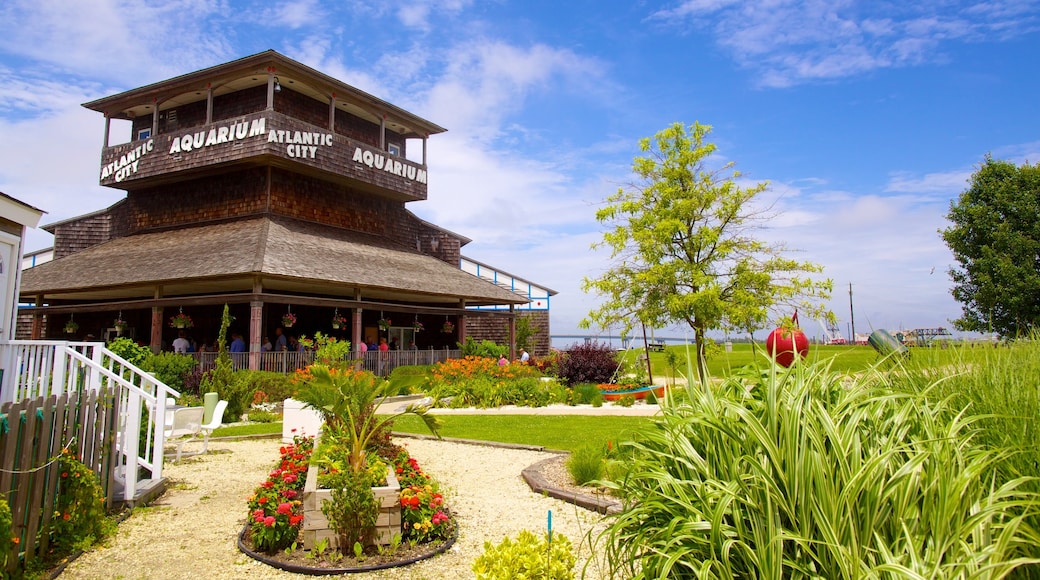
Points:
[(191, 531)]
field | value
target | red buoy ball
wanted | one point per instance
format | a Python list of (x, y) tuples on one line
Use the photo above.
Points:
[(783, 343)]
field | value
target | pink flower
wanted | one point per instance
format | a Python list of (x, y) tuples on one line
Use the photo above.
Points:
[(269, 521), (285, 509)]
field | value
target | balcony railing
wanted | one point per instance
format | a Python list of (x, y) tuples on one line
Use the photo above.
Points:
[(260, 136), (380, 363)]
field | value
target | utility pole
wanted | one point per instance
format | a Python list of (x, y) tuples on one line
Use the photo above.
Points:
[(852, 317)]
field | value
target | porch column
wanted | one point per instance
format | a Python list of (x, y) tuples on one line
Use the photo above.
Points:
[(256, 319), (512, 332), (36, 333), (462, 323), (157, 326), (356, 330)]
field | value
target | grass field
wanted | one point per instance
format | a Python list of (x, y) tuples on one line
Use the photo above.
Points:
[(851, 359), (568, 432), (563, 432)]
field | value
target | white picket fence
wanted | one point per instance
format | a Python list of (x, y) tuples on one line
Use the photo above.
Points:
[(35, 369)]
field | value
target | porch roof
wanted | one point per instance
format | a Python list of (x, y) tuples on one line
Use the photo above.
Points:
[(281, 253)]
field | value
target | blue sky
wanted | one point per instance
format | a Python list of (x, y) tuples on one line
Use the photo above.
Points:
[(866, 118)]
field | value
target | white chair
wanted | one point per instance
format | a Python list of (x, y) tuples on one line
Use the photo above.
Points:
[(186, 425), (214, 422)]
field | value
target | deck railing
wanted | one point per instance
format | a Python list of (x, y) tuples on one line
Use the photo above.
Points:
[(40, 368), (380, 363)]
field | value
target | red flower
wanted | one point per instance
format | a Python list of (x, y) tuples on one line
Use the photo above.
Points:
[(295, 520), (262, 500), (285, 509), (269, 521)]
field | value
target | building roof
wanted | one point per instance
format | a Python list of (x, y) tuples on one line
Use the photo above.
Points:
[(282, 250), (251, 71), (20, 212)]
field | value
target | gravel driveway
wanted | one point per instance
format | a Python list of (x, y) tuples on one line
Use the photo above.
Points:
[(191, 531)]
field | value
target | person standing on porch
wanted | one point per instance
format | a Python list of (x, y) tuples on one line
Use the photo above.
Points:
[(181, 344), (280, 343)]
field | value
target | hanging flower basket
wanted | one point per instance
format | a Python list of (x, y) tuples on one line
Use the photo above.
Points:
[(71, 327), (448, 327), (338, 320), (288, 319), (384, 324), (181, 320), (417, 327), (120, 326)]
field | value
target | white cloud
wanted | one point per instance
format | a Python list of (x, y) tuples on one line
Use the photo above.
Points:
[(297, 14), (950, 183), (115, 39), (793, 41)]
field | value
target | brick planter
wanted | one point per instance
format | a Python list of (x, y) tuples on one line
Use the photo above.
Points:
[(316, 526)]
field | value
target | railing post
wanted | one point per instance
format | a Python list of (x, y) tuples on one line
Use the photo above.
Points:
[(94, 377), (59, 363), (159, 440), (130, 449)]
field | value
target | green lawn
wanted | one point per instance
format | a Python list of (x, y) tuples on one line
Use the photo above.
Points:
[(564, 432), (248, 429), (842, 358)]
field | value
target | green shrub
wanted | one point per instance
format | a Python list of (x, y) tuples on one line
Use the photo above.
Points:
[(328, 350), (651, 398), (586, 464), (587, 394), (482, 382), (626, 400), (276, 387), (7, 540), (483, 349), (528, 557), (814, 474), (261, 416), (169, 367), (129, 351), (79, 511)]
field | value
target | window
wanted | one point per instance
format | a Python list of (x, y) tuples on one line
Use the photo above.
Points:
[(144, 133), (394, 149)]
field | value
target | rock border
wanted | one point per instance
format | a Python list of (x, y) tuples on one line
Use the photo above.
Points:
[(315, 571), (533, 475)]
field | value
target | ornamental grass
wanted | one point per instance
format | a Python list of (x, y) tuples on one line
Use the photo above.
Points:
[(810, 473)]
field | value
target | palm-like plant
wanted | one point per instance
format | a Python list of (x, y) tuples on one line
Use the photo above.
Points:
[(347, 400)]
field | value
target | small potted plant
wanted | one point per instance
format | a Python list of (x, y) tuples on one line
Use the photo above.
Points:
[(181, 320), (417, 326), (448, 327), (338, 320), (384, 324), (288, 319), (71, 326)]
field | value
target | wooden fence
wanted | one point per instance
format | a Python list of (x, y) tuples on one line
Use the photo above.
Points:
[(32, 433)]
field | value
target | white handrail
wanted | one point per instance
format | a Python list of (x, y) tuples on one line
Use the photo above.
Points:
[(42, 368)]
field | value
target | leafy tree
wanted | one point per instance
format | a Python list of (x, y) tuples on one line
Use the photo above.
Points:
[(684, 251), (995, 237), (524, 332)]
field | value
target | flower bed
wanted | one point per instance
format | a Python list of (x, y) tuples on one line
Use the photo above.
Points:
[(423, 527)]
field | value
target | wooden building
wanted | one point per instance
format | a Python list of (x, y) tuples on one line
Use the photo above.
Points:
[(273, 188)]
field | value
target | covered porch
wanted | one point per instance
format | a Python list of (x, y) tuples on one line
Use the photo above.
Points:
[(341, 283)]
